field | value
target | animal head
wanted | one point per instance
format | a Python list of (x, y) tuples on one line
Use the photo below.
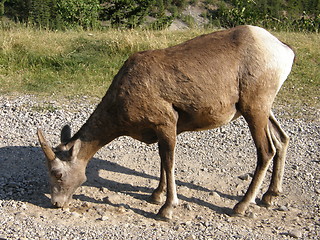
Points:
[(66, 169)]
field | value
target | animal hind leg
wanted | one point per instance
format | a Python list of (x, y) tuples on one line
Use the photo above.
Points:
[(260, 132), (281, 141)]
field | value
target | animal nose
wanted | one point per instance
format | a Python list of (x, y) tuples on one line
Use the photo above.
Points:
[(57, 204)]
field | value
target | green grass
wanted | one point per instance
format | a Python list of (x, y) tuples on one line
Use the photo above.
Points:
[(72, 63), (303, 85), (69, 64)]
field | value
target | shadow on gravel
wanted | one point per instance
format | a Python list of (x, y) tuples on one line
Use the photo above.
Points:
[(23, 177), (94, 180)]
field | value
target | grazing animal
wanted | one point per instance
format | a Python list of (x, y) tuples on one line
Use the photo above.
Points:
[(200, 84)]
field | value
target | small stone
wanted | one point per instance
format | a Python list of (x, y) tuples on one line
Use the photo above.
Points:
[(75, 214), (112, 199), (100, 210), (20, 214), (283, 209), (66, 209), (103, 190), (188, 223), (295, 233), (214, 195), (191, 237), (86, 205), (177, 227), (187, 206), (245, 177), (35, 214), (24, 206), (252, 215), (103, 218), (121, 209)]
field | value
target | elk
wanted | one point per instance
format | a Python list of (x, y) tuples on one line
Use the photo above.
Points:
[(197, 85)]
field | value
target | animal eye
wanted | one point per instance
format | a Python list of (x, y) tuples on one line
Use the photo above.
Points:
[(57, 174)]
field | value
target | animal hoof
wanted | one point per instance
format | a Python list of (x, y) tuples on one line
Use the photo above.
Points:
[(267, 198), (154, 201), (164, 214), (161, 218), (239, 209)]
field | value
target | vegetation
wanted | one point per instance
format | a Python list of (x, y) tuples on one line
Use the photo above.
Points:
[(54, 14), (272, 14), (82, 59), (61, 14), (295, 15), (84, 63), (73, 62)]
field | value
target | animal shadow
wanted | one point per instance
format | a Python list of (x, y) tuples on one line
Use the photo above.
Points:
[(24, 177)]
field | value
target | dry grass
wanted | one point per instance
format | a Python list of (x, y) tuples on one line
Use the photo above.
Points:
[(72, 63), (83, 63), (302, 87)]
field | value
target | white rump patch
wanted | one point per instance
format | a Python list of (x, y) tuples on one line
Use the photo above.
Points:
[(279, 57)]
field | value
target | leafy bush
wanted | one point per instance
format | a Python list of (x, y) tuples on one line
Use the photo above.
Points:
[(62, 14), (307, 23), (2, 7), (126, 13), (54, 14), (271, 14), (84, 13)]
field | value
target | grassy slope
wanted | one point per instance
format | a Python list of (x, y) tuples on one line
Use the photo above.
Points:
[(72, 63), (302, 87), (82, 63)]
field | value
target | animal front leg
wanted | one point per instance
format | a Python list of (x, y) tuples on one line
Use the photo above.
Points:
[(157, 195), (167, 141)]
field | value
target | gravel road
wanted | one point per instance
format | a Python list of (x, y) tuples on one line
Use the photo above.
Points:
[(213, 170)]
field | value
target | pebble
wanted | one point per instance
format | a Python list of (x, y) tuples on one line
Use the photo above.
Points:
[(187, 206), (215, 195), (121, 209), (283, 208), (75, 214), (103, 218), (252, 215), (23, 180), (245, 177), (295, 233)]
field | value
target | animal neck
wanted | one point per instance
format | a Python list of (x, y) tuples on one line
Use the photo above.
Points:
[(98, 131)]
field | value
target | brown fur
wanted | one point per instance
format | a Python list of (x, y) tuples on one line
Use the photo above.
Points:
[(200, 84)]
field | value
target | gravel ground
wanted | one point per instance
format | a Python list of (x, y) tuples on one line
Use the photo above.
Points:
[(213, 170)]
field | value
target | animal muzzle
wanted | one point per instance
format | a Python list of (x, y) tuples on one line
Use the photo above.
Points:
[(60, 202)]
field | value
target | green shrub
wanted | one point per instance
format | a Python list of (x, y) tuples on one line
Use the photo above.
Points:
[(54, 14), (84, 13), (126, 13), (271, 14)]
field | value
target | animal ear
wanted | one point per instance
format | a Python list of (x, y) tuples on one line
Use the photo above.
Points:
[(46, 148), (65, 134), (74, 150)]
